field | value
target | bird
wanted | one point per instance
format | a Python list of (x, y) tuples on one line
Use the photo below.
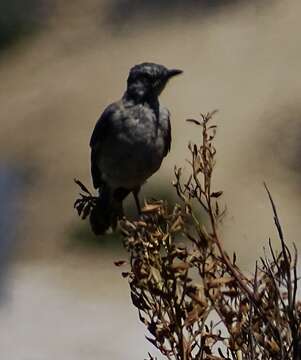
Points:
[(129, 142)]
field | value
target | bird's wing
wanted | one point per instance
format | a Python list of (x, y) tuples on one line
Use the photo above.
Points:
[(99, 133), (165, 120)]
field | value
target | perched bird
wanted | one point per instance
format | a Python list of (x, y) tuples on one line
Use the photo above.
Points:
[(129, 142)]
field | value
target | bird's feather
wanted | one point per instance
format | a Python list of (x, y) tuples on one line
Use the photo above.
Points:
[(167, 137), (99, 133), (166, 128)]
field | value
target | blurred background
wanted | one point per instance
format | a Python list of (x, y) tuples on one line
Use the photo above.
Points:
[(61, 63)]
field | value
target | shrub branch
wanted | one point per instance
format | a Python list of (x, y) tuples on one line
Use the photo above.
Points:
[(193, 298)]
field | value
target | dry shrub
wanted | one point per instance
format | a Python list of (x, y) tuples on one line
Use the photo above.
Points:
[(193, 298)]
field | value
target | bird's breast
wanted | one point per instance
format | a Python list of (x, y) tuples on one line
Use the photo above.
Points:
[(134, 151)]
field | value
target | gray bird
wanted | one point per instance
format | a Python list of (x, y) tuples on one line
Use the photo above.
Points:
[(129, 142)]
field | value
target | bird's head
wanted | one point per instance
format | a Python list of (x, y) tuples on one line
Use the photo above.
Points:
[(148, 80)]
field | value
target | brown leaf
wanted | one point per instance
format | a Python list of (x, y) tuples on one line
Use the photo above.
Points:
[(139, 301), (194, 121), (180, 266), (199, 299), (86, 211), (156, 274), (119, 262), (177, 225), (79, 208), (192, 316), (231, 293), (142, 223), (150, 208), (151, 340), (274, 347), (216, 194), (197, 165), (220, 281), (82, 186), (77, 202)]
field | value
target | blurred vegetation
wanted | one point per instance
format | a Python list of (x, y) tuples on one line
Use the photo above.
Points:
[(123, 12), (283, 140), (19, 19)]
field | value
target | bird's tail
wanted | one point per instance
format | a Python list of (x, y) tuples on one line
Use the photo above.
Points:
[(108, 210)]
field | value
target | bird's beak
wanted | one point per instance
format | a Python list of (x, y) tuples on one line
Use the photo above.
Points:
[(173, 72)]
